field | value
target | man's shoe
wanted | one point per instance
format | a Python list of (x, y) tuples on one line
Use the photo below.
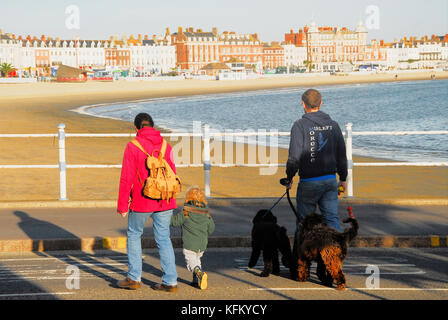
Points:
[(164, 287), (128, 284)]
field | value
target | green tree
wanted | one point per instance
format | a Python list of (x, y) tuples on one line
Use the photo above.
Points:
[(308, 64), (6, 68)]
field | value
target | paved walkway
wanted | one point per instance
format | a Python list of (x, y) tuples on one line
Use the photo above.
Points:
[(231, 221)]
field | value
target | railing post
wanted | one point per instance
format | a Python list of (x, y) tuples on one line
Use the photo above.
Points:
[(348, 146), (62, 163), (207, 163)]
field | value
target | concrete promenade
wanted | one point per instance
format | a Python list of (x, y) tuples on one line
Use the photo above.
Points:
[(382, 224)]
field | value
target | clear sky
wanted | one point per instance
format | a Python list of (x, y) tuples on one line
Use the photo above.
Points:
[(269, 18)]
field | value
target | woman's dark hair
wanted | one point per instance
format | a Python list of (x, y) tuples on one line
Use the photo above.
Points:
[(143, 120)]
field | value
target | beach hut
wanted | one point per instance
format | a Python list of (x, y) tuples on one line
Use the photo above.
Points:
[(70, 74)]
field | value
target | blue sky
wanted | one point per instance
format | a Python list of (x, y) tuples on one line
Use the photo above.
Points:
[(269, 18)]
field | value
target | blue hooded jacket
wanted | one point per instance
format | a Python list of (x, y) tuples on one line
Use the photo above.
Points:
[(316, 148)]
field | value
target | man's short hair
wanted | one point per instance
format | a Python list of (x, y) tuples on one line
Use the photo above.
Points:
[(143, 120), (312, 98)]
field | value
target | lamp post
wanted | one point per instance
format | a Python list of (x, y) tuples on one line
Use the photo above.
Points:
[(76, 48)]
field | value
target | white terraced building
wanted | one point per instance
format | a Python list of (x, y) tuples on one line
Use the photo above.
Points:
[(153, 56), (418, 55), (39, 55), (10, 49), (294, 55)]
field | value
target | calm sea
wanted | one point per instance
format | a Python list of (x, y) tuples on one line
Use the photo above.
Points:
[(393, 106)]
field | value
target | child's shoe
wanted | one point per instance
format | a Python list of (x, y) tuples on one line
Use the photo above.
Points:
[(201, 278)]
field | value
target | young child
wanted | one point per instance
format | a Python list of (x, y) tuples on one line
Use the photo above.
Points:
[(197, 225)]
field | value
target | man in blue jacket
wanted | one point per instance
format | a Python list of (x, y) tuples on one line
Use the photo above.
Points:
[(317, 152)]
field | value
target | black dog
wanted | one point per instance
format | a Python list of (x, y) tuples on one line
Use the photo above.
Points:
[(269, 237)]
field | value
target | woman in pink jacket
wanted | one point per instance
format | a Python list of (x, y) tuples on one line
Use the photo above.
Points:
[(138, 208)]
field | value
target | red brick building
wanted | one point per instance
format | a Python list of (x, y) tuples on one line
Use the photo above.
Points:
[(117, 57), (195, 49), (42, 57), (244, 47), (273, 56), (297, 39)]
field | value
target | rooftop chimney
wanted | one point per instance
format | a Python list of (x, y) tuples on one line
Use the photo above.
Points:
[(167, 31), (215, 31), (179, 30)]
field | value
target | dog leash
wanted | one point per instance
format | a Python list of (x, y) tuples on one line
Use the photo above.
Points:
[(290, 202), (276, 203), (284, 182)]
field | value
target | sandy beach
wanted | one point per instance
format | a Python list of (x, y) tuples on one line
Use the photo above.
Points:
[(39, 107)]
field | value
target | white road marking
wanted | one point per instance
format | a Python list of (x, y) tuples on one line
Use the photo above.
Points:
[(34, 294), (379, 265), (352, 289), (64, 258), (395, 273)]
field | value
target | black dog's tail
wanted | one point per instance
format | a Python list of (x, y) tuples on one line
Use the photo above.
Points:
[(351, 233)]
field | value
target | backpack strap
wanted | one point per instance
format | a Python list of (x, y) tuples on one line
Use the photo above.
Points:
[(163, 149), (138, 145)]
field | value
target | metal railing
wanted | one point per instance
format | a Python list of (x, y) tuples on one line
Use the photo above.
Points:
[(206, 136)]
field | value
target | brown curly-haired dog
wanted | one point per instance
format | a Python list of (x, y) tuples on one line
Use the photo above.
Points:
[(318, 242), (196, 197)]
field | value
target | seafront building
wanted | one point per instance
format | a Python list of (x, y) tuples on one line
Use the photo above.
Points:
[(273, 56), (244, 48), (295, 56), (196, 49), (423, 53), (189, 51), (10, 49), (41, 57), (153, 56), (331, 48)]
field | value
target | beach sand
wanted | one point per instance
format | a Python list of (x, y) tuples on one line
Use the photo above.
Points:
[(39, 107)]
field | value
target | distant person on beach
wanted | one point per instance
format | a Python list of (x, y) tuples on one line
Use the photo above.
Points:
[(139, 208), (317, 152)]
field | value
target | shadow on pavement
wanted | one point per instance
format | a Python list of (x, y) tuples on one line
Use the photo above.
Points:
[(35, 229)]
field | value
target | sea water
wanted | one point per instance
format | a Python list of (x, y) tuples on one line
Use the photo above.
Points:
[(388, 106)]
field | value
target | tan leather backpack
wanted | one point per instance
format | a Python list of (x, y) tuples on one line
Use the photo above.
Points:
[(162, 183)]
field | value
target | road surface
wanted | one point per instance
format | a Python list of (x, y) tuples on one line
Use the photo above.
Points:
[(404, 273)]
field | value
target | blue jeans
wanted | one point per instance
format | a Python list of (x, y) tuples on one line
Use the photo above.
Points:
[(161, 227), (323, 193)]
